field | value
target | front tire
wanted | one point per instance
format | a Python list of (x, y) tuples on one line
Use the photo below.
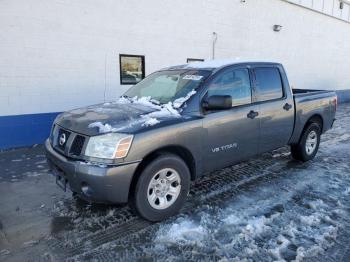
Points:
[(162, 188), (308, 145)]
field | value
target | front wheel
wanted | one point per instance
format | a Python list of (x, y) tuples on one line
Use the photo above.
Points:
[(308, 145), (162, 188)]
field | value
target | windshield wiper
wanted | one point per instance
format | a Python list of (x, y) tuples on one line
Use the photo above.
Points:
[(152, 100)]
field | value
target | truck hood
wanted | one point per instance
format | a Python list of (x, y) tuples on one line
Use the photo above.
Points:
[(117, 117)]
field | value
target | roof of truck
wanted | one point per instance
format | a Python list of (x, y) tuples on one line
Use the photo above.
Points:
[(216, 63)]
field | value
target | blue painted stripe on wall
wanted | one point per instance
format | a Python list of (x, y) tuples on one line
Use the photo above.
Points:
[(25, 130)]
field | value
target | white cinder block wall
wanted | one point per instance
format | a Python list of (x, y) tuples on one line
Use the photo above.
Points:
[(57, 55)]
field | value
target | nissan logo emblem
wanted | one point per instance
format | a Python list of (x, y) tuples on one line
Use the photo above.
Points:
[(62, 139)]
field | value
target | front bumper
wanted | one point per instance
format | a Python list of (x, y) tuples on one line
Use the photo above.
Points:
[(106, 184)]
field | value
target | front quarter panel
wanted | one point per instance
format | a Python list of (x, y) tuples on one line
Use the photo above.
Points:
[(188, 134)]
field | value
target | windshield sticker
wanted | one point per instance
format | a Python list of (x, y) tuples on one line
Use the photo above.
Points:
[(193, 77)]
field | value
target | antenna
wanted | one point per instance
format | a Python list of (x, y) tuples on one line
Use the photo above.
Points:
[(215, 37)]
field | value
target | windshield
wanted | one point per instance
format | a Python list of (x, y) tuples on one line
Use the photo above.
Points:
[(167, 86)]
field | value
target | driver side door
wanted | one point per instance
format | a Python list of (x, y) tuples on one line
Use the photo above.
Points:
[(232, 134)]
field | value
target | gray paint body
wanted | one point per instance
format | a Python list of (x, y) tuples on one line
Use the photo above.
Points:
[(213, 139)]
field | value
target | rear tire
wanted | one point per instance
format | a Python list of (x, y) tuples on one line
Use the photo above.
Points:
[(308, 145), (162, 188)]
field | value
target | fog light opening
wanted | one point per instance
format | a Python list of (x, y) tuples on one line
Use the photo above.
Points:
[(86, 189)]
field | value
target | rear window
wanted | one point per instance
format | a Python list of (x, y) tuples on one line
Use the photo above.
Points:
[(268, 84)]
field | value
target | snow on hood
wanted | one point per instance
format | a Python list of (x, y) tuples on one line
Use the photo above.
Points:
[(122, 115), (169, 110), (103, 128)]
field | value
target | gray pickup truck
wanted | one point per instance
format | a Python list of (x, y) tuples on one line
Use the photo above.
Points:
[(180, 123)]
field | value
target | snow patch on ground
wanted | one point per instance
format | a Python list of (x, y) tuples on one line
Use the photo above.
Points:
[(4, 252), (347, 191), (310, 220), (33, 174), (337, 140), (281, 222), (182, 231), (30, 243), (281, 155)]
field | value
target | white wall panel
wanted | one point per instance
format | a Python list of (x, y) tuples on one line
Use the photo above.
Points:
[(318, 5), (337, 12), (307, 3), (57, 55), (328, 7), (346, 13)]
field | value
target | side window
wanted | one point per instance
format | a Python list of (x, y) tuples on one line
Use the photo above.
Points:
[(234, 82), (268, 83)]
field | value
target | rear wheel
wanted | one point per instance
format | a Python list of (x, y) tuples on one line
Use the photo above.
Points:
[(309, 142), (162, 188)]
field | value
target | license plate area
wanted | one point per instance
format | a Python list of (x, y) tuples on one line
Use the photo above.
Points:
[(61, 180)]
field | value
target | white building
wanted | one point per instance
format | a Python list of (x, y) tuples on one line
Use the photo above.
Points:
[(57, 55)]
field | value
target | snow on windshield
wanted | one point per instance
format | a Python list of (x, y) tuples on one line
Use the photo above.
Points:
[(179, 102), (164, 111)]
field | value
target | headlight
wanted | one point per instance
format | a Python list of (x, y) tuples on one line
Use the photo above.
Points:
[(109, 146)]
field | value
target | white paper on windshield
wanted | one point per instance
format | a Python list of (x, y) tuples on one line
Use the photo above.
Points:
[(193, 77)]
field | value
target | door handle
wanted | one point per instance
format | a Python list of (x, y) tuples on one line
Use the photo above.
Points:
[(287, 106), (252, 114)]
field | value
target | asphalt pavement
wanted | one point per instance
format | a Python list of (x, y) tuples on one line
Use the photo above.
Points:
[(269, 208)]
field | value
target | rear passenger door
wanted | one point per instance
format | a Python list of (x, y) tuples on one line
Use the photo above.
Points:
[(232, 134), (276, 107)]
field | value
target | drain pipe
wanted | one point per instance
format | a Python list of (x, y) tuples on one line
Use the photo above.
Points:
[(215, 37)]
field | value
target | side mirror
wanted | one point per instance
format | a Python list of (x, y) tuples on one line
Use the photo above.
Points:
[(217, 102)]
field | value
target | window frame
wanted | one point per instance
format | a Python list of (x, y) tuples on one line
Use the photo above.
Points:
[(142, 68), (222, 71), (254, 87)]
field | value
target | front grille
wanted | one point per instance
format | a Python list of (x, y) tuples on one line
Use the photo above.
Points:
[(73, 143), (77, 145)]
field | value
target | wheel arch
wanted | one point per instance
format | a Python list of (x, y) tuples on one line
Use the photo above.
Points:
[(316, 118), (298, 149), (180, 151), (302, 125)]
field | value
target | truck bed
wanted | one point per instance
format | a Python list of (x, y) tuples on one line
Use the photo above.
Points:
[(305, 92), (308, 103)]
